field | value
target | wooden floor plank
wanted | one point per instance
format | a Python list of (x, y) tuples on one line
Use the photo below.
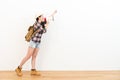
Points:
[(63, 75)]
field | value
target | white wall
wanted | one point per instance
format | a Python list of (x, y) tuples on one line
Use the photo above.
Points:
[(84, 36)]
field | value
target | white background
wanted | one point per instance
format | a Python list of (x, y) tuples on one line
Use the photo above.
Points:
[(84, 36)]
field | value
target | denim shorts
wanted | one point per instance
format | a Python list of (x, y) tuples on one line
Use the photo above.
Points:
[(34, 44)]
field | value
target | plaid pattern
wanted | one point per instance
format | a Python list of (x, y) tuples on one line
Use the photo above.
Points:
[(37, 37)]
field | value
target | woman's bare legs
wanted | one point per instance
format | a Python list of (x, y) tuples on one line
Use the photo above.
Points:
[(29, 54), (33, 61)]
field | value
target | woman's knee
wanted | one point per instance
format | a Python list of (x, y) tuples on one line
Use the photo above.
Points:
[(34, 56), (27, 56)]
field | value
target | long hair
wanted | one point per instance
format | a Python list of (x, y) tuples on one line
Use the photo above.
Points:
[(38, 18), (44, 22)]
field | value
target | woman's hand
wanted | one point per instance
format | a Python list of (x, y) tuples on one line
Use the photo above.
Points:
[(54, 12), (50, 17)]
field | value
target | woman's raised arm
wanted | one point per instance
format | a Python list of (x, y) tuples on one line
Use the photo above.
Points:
[(51, 17)]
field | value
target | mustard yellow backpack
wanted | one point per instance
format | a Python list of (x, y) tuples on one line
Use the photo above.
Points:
[(30, 33)]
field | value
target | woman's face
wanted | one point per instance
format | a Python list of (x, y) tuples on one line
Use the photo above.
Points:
[(41, 18)]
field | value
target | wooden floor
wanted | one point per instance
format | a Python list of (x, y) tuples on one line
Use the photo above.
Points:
[(63, 75)]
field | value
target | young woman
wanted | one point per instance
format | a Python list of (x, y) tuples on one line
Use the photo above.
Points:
[(40, 25)]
